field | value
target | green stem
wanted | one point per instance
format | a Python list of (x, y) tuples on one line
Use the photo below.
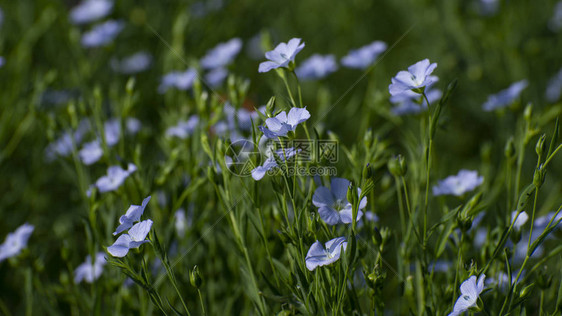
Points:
[(202, 303)]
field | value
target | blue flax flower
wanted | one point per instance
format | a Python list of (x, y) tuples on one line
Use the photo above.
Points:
[(91, 152), (215, 77), (114, 178), (332, 203), (259, 172), (505, 97), (133, 239), (282, 55), (89, 271), (283, 123), (177, 79), (133, 64), (464, 181), (317, 67), (132, 215), (102, 34), (184, 128), (363, 57), (415, 79), (319, 256), (15, 242), (470, 291), (554, 87), (222, 55), (90, 10)]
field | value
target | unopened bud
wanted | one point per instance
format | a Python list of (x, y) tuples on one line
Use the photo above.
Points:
[(528, 113), (539, 148), (510, 148), (195, 277)]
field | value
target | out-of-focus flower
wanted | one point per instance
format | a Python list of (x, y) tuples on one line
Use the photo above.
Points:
[(15, 242), (542, 221), (318, 255), (555, 22), (133, 125), (91, 152), (333, 206), (184, 128), (114, 178), (505, 97), (215, 77), (470, 291), (222, 55), (464, 181), (520, 220), (241, 118), (181, 222), (317, 67), (283, 123), (62, 146), (259, 172), (112, 131), (363, 57), (133, 239), (489, 7), (2, 61), (177, 79), (415, 79), (410, 102), (282, 55), (89, 271), (102, 34), (133, 64), (90, 10), (554, 87), (132, 215)]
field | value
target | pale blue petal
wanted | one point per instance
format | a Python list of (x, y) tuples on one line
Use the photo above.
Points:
[(339, 188), (140, 230), (329, 215), (120, 247), (322, 197)]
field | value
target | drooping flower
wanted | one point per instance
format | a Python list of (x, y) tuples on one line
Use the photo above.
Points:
[(133, 64), (282, 55), (177, 79), (464, 181), (114, 178), (90, 10), (317, 67), (470, 291), (365, 56), (519, 221), (89, 271), (410, 102), (133, 239), (332, 203), (415, 79), (184, 128), (90, 152), (215, 77), (15, 242), (222, 55), (505, 97), (132, 215), (102, 34), (318, 255), (259, 172), (283, 123)]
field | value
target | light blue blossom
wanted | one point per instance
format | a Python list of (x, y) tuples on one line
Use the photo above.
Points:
[(15, 242), (332, 203), (282, 55), (133, 239), (133, 125), (318, 255), (89, 271), (91, 152), (112, 132), (505, 97), (259, 172), (415, 79), (410, 102), (464, 181), (63, 145), (317, 67), (555, 22), (132, 215), (177, 79), (133, 64), (470, 291), (183, 128), (283, 123), (489, 7), (519, 221), (181, 222), (554, 87), (90, 10), (363, 57), (102, 34), (2, 61), (215, 77), (114, 178), (241, 118), (542, 221), (222, 55)]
